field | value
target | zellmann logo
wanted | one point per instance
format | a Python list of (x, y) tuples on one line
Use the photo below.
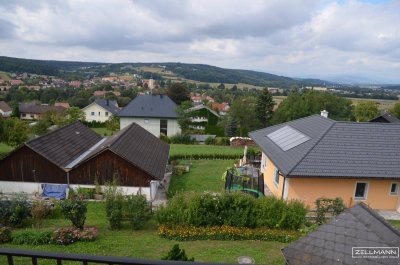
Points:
[(375, 252)]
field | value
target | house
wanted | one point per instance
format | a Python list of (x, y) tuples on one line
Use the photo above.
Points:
[(222, 108), (100, 110), (75, 83), (16, 82), (198, 99), (155, 113), (76, 155), (33, 111), (5, 109), (317, 157), (385, 118), (62, 104), (204, 119), (336, 242)]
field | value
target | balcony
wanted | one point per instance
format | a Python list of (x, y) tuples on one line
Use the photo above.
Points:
[(199, 119)]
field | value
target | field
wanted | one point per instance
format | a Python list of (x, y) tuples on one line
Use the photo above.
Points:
[(4, 76), (204, 175), (204, 149), (146, 244)]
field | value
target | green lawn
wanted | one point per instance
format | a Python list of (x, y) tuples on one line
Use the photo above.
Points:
[(5, 149), (204, 149), (145, 244), (395, 223), (204, 175), (102, 131)]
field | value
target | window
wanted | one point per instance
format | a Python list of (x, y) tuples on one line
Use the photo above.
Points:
[(23, 115), (99, 114), (92, 113), (361, 191), (106, 114), (394, 188), (276, 177), (164, 127)]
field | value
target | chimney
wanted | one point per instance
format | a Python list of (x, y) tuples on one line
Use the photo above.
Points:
[(324, 113)]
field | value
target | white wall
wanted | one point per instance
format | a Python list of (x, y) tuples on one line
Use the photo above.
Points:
[(5, 113), (152, 125), (31, 188), (99, 113)]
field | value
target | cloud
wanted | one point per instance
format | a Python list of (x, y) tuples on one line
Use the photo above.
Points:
[(294, 38)]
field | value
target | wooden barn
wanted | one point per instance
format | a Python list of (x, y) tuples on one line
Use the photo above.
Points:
[(75, 155)]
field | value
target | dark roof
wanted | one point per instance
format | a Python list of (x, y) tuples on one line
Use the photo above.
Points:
[(386, 118), (332, 243), (110, 105), (336, 149), (139, 147), (4, 106), (38, 109), (151, 106), (65, 144)]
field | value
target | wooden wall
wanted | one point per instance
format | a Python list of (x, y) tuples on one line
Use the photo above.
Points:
[(19, 166), (105, 165)]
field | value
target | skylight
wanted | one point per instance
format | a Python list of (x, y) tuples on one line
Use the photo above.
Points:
[(287, 138)]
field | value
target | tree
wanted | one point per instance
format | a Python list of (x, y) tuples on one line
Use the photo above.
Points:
[(112, 124), (15, 112), (183, 115), (177, 254), (74, 114), (242, 111), (264, 107), (178, 93), (302, 104), (231, 129), (221, 86), (366, 110), (41, 127), (16, 131), (396, 110)]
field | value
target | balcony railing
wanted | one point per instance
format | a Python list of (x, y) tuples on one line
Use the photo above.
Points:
[(35, 256)]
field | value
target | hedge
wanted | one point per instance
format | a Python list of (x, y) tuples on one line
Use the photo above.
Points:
[(191, 233), (205, 156)]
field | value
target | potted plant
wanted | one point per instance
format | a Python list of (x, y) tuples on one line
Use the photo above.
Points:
[(98, 195)]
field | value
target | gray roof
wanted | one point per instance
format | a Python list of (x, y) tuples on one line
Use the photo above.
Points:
[(150, 106), (386, 117), (332, 243), (110, 105), (336, 149), (201, 106), (4, 106)]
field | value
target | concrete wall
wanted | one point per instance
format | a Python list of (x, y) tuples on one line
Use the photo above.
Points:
[(99, 113), (31, 188), (152, 125)]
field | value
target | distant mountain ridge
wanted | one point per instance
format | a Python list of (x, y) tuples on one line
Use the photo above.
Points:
[(195, 72)]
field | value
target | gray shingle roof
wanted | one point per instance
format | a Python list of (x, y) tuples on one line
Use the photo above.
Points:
[(337, 149), (110, 105), (139, 147), (332, 243), (386, 117), (65, 144), (151, 106)]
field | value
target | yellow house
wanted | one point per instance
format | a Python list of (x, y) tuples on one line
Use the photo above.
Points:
[(100, 110), (317, 157)]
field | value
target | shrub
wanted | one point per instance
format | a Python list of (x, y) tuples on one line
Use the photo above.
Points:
[(32, 238), (14, 212), (138, 211), (39, 211), (325, 205), (165, 139), (88, 234), (177, 254), (114, 204), (85, 193), (5, 234), (189, 233), (210, 141), (222, 141), (182, 139), (65, 236), (75, 211)]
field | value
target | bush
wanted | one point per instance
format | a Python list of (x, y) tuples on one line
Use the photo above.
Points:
[(189, 233), (182, 139), (75, 211), (85, 193), (204, 156), (165, 139), (222, 141), (32, 238), (233, 209), (114, 204), (138, 211), (210, 141), (5, 234), (177, 254), (14, 212), (39, 211), (65, 236), (325, 205)]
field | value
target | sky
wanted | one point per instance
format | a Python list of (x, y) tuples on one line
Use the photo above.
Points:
[(296, 38)]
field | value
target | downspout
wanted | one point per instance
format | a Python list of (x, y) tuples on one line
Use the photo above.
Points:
[(283, 187)]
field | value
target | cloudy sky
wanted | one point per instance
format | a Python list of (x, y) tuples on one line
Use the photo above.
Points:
[(298, 38)]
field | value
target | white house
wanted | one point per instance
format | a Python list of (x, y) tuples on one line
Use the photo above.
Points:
[(100, 110), (155, 113), (5, 109)]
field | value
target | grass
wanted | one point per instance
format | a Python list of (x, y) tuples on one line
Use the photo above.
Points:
[(395, 223), (5, 149), (146, 244), (204, 149), (4, 76), (102, 131), (204, 175)]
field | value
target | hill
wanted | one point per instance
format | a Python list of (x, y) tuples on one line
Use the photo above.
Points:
[(186, 72)]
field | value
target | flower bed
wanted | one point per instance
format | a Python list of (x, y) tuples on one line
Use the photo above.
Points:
[(69, 235), (190, 233)]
